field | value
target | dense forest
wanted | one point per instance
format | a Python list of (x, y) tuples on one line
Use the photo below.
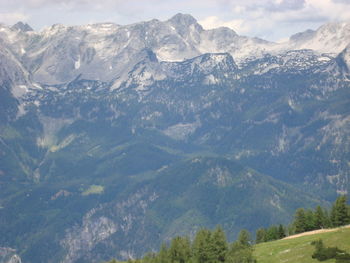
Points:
[(211, 246)]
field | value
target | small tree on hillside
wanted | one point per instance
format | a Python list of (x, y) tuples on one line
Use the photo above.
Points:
[(309, 220), (272, 233), (218, 245), (180, 250), (340, 212), (281, 231), (244, 238), (320, 218), (260, 235), (200, 247), (300, 221), (163, 254)]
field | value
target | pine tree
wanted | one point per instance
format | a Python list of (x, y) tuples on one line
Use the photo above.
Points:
[(238, 254), (309, 220), (272, 233), (163, 255), (244, 238), (241, 251), (201, 245), (150, 257), (260, 235), (281, 232), (319, 218), (300, 221), (339, 214), (180, 250), (218, 245)]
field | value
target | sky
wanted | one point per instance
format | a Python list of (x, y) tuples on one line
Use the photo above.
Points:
[(273, 20)]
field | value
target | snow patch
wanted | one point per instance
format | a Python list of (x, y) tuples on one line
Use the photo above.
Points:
[(19, 90), (181, 131), (77, 63), (323, 59)]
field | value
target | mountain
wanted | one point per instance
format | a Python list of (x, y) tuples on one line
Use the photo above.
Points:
[(343, 61), (22, 27), (101, 51), (114, 138), (329, 38)]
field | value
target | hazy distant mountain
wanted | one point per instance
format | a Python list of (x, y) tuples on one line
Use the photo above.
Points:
[(113, 138), (329, 38)]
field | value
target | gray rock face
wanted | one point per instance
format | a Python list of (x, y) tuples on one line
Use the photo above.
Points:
[(107, 225), (343, 60), (22, 27), (8, 255)]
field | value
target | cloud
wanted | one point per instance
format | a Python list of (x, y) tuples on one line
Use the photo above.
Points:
[(237, 25), (270, 19), (277, 19), (11, 18)]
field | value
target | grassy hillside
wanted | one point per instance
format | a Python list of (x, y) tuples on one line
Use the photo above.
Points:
[(299, 249)]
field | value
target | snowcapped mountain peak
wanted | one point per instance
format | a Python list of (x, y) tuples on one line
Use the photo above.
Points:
[(53, 30), (186, 26), (102, 51), (100, 27), (329, 38), (182, 19)]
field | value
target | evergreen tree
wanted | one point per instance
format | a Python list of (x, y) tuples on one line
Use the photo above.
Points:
[(322, 253), (339, 214), (218, 245), (319, 218), (281, 232), (241, 251), (309, 220), (200, 248), (241, 255), (260, 235), (244, 238), (291, 229), (300, 221), (150, 257), (163, 255), (180, 250), (272, 233)]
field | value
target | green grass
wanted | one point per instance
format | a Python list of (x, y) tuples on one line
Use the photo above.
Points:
[(9, 133), (299, 249), (93, 189)]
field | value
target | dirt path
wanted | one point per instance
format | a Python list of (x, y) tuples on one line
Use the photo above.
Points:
[(316, 232)]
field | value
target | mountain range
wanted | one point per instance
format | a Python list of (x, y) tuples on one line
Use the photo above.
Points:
[(115, 138)]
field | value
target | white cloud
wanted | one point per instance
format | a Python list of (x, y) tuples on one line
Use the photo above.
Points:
[(237, 25), (271, 19), (278, 19), (11, 18)]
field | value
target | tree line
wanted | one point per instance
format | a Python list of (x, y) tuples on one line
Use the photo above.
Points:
[(211, 246), (308, 220), (207, 246)]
